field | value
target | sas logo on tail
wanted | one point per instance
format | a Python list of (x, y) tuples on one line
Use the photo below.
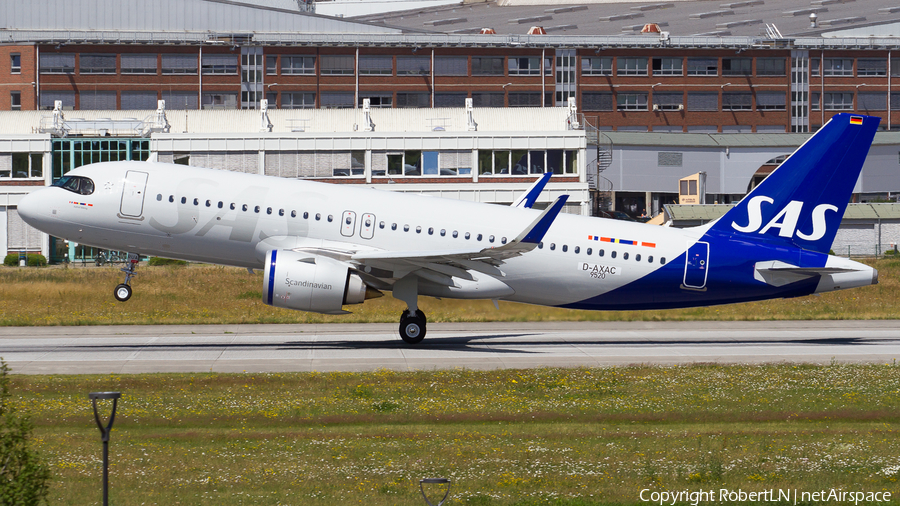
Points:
[(786, 220)]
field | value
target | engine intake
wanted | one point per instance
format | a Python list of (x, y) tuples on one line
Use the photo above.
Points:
[(311, 283)]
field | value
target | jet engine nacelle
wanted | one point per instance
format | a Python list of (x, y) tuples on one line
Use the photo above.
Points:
[(310, 283)]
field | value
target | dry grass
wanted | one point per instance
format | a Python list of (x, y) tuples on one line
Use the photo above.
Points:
[(508, 437), (213, 294)]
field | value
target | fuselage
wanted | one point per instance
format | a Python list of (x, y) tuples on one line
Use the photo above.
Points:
[(230, 218)]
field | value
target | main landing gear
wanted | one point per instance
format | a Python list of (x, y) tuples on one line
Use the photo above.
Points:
[(412, 328), (123, 290)]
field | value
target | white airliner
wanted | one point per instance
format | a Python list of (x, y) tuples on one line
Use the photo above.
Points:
[(324, 246)]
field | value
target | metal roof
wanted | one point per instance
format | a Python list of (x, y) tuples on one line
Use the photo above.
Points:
[(684, 17), (726, 140), (709, 212)]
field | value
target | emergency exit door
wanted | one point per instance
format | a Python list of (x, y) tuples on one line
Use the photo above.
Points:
[(132, 204), (696, 265)]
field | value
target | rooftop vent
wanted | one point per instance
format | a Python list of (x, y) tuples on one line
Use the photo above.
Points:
[(487, 31), (537, 30), (650, 28)]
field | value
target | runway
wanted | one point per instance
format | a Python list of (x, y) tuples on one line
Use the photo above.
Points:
[(361, 347)]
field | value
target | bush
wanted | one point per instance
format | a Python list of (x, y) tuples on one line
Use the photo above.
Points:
[(165, 261), (24, 475), (32, 259)]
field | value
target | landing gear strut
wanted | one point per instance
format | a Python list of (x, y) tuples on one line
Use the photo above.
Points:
[(123, 290), (412, 328)]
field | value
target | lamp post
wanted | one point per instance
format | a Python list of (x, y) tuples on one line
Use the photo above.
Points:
[(438, 481), (104, 434)]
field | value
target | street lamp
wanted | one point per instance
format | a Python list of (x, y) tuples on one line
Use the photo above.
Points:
[(439, 481), (104, 434)]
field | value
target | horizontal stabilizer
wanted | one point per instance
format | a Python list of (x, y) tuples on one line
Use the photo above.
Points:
[(777, 273)]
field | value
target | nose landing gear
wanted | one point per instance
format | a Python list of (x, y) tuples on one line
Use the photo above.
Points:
[(123, 290)]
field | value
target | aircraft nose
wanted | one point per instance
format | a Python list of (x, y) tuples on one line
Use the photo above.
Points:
[(31, 208)]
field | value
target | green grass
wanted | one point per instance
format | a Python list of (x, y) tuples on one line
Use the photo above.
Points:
[(510, 437), (212, 295)]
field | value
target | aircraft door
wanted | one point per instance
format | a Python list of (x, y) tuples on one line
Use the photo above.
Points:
[(367, 228), (132, 204), (348, 224), (696, 266)]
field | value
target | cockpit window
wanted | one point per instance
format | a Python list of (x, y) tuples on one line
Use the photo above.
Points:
[(77, 184)]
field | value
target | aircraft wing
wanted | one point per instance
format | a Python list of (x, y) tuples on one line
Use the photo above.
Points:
[(458, 263)]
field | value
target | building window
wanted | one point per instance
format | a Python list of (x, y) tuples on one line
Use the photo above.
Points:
[(427, 163), (413, 99), (297, 65), (524, 99), (596, 66), (15, 63), (591, 101), (335, 99), (631, 66), (271, 65), (97, 64), (814, 67), (219, 64), (97, 101), (63, 63), (139, 63), (22, 165), (668, 101), (66, 97), (298, 100), (702, 101), (523, 163), (668, 66), (770, 101), (373, 65), (702, 66), (450, 99), (487, 99), (451, 65), (871, 67), (357, 166), (524, 66), (871, 101), (179, 64), (838, 67), (181, 100), (487, 65), (770, 67), (838, 101), (737, 66), (381, 100), (413, 65), (220, 101), (631, 101), (895, 103), (737, 101), (15, 100), (815, 99), (330, 65), (138, 100)]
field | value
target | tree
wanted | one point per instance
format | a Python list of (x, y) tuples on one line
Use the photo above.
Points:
[(24, 476)]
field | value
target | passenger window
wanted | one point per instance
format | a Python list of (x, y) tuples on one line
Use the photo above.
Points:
[(208, 203), (406, 228), (196, 201), (588, 252), (184, 200), (443, 232), (171, 198), (318, 216), (565, 248), (348, 220), (491, 239), (577, 249), (430, 231), (478, 237), (625, 256), (255, 209), (293, 214), (221, 204), (455, 234), (612, 255), (637, 258), (268, 210), (650, 259), (393, 226), (503, 240), (381, 225), (600, 253), (305, 215), (330, 218), (281, 212), (244, 208), (662, 260), (418, 230), (231, 206), (159, 197), (552, 246), (540, 245), (468, 235)]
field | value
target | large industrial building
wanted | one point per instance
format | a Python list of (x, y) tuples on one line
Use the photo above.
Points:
[(422, 100)]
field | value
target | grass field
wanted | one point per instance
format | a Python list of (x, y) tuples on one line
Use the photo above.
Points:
[(511, 437), (212, 294)]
